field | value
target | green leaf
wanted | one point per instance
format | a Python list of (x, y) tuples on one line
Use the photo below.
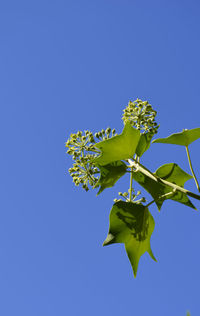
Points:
[(110, 174), (144, 144), (185, 138), (119, 147), (171, 173), (133, 225)]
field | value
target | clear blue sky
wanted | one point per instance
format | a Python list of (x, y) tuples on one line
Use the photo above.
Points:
[(74, 65)]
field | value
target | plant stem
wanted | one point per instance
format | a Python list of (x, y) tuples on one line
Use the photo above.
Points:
[(191, 168), (162, 197), (131, 185), (145, 171)]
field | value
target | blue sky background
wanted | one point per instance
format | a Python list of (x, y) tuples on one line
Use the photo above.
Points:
[(73, 65)]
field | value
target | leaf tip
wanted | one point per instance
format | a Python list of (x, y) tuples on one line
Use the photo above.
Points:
[(134, 268), (109, 240), (152, 255)]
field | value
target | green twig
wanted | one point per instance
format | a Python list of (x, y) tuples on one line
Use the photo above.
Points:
[(162, 197), (131, 184), (139, 167), (191, 168)]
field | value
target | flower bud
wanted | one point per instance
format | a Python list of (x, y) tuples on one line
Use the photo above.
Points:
[(113, 131), (108, 130), (79, 134)]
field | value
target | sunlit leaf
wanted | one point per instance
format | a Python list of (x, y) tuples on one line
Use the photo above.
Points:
[(109, 174), (133, 225), (173, 173), (170, 172), (185, 138), (119, 147), (144, 144)]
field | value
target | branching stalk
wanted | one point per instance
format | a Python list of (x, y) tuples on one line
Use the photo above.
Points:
[(131, 184), (191, 168), (139, 167), (162, 197)]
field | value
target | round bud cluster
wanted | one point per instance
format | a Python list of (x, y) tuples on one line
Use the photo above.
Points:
[(78, 143), (142, 116), (81, 148), (83, 172)]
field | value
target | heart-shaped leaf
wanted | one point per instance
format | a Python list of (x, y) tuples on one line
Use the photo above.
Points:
[(133, 225), (185, 138), (120, 147), (109, 174)]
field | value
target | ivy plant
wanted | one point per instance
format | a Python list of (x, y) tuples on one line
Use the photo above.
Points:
[(102, 158)]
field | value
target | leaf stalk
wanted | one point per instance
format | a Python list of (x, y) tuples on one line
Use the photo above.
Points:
[(162, 197), (139, 167), (131, 184), (191, 168)]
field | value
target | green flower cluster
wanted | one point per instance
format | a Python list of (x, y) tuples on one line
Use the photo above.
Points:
[(81, 146), (79, 143), (134, 196), (83, 172), (142, 116)]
